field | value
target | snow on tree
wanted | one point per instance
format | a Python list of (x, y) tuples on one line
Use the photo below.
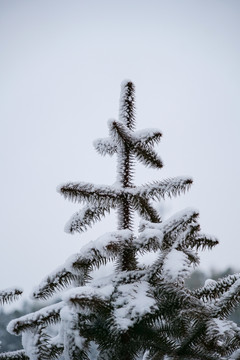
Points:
[(136, 311), (10, 294)]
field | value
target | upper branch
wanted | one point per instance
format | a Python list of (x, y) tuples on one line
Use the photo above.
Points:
[(143, 152), (169, 187), (94, 194), (127, 104)]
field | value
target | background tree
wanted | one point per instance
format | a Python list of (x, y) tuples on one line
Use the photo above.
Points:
[(137, 311), (7, 296)]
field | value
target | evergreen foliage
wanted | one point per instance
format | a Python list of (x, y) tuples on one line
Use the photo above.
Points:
[(10, 294), (137, 311)]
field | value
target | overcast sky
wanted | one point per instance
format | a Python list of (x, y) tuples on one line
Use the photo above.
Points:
[(61, 66)]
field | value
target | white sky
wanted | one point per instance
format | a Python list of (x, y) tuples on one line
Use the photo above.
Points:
[(61, 66)]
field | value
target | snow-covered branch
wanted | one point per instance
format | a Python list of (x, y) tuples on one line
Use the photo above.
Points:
[(14, 355), (105, 146), (85, 192), (87, 216), (148, 137), (48, 315), (10, 294), (169, 187), (123, 137), (215, 289), (228, 301), (57, 280)]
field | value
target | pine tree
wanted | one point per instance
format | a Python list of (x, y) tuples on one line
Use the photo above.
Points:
[(137, 311)]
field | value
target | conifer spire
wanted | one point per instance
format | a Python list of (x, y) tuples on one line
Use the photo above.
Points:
[(125, 159), (137, 311)]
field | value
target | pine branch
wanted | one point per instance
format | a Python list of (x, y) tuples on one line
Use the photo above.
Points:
[(191, 255), (56, 281), (47, 315), (184, 236), (14, 355), (181, 223), (86, 217), (143, 153), (149, 239), (201, 241), (214, 337), (187, 238), (157, 343), (105, 196), (148, 137), (88, 297), (195, 335), (105, 146), (224, 334), (159, 189), (176, 237), (9, 295), (197, 351), (173, 298), (228, 301), (54, 351), (149, 225), (157, 270), (120, 134), (145, 209), (76, 353), (127, 277), (75, 344), (38, 345), (147, 156), (214, 289), (176, 265), (102, 250), (78, 266), (128, 300), (180, 220), (176, 255)]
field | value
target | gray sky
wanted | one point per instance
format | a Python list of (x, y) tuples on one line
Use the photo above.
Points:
[(61, 66)]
